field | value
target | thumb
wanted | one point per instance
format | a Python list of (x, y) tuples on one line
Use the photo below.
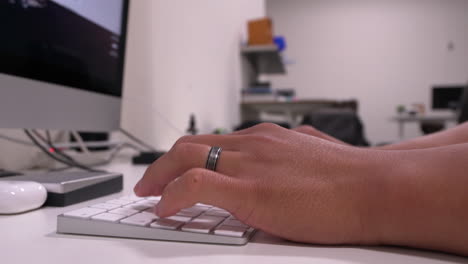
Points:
[(208, 187)]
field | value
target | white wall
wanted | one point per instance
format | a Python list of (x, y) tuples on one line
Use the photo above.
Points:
[(183, 58), (381, 52)]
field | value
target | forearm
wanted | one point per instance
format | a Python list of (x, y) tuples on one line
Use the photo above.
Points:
[(456, 135), (424, 199)]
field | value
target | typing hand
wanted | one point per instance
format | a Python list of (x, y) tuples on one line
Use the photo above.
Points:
[(283, 182)]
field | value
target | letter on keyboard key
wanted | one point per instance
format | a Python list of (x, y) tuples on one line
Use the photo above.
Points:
[(202, 224), (232, 231), (85, 213), (124, 211), (107, 206), (107, 217), (139, 219)]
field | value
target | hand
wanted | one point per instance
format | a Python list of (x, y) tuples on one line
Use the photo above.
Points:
[(311, 131), (283, 182)]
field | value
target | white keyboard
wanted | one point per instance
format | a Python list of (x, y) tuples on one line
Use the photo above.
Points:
[(133, 217)]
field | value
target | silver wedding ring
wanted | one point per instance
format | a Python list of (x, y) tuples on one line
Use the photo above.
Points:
[(213, 158)]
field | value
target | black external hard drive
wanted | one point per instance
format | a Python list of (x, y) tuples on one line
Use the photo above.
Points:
[(67, 188)]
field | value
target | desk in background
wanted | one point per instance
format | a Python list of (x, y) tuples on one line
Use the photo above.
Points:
[(32, 238), (403, 119), (291, 111)]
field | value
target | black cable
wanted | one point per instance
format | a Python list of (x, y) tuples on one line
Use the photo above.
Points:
[(49, 138), (51, 145), (52, 156), (137, 140)]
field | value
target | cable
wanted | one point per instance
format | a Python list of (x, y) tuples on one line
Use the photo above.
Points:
[(52, 147), (137, 140), (80, 141), (52, 156), (15, 140), (49, 138)]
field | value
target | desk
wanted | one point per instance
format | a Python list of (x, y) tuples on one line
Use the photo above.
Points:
[(291, 111), (402, 119), (31, 239)]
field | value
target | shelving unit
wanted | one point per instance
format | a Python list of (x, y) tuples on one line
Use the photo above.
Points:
[(263, 59)]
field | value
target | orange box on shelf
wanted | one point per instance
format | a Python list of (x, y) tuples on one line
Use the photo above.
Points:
[(260, 31)]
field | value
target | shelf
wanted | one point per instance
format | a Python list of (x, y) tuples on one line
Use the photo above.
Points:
[(266, 59)]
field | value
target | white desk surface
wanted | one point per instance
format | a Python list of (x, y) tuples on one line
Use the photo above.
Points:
[(31, 238)]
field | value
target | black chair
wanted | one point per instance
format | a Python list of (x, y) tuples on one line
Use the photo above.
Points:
[(343, 124)]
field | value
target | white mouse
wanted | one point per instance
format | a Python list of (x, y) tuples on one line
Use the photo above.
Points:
[(21, 196)]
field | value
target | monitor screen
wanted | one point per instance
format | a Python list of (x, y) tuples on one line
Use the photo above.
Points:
[(77, 44), (447, 97)]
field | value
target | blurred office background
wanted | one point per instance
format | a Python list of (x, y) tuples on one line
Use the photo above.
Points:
[(184, 57)]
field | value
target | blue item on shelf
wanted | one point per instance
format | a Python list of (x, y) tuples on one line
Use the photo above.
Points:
[(280, 42)]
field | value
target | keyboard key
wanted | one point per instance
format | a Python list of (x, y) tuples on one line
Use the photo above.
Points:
[(124, 211), (149, 210), (147, 203), (85, 213), (138, 207), (205, 206), (166, 223), (189, 213), (183, 219), (154, 199), (236, 223), (120, 202), (217, 212), (107, 217), (232, 231), (132, 198), (139, 219), (202, 224), (107, 206)]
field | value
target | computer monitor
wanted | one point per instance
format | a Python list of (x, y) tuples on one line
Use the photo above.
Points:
[(463, 117), (61, 64), (447, 97)]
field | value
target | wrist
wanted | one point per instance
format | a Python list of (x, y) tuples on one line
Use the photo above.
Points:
[(378, 171)]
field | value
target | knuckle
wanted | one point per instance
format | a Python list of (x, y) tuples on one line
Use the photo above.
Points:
[(184, 139), (306, 129), (182, 150), (268, 126), (193, 180)]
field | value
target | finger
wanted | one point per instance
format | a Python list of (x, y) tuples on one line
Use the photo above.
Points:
[(261, 128), (181, 158), (208, 187), (227, 142), (308, 130)]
